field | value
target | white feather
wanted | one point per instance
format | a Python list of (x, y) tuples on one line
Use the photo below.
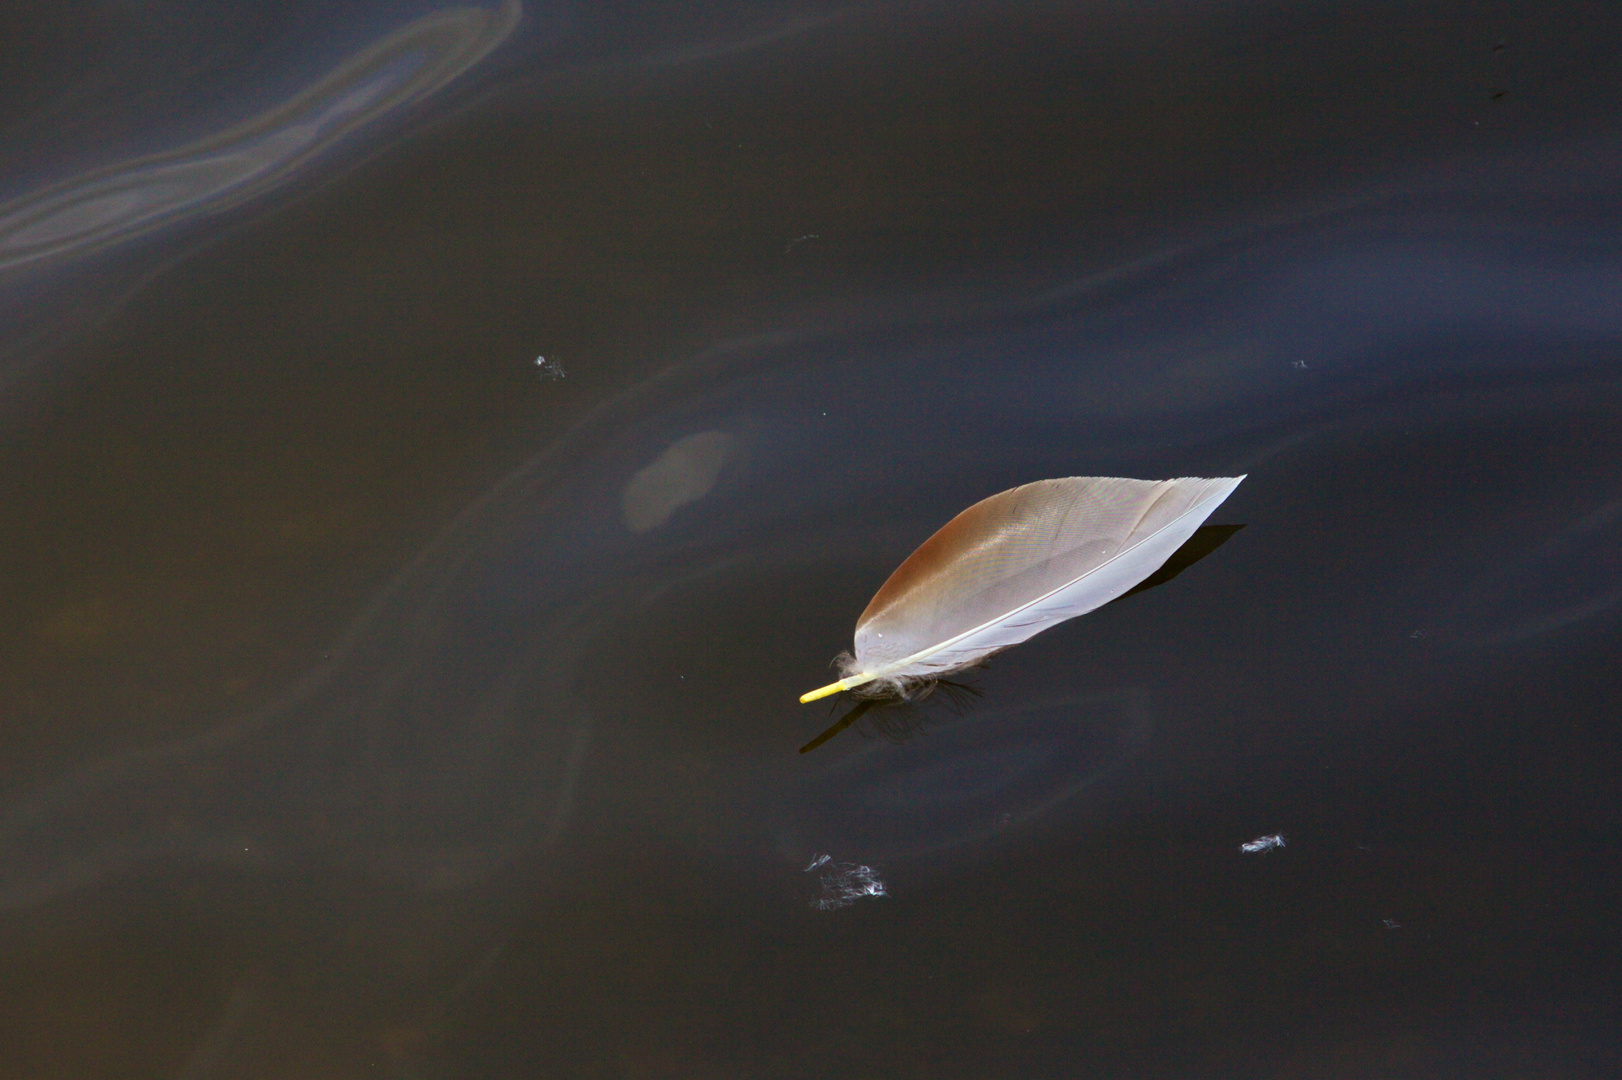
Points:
[(1014, 564)]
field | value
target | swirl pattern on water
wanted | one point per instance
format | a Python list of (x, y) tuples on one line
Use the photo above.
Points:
[(124, 200), (449, 736)]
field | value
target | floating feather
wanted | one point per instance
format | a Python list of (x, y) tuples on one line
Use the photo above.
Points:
[(1013, 565)]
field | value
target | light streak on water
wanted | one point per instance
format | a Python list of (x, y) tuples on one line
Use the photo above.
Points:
[(118, 202)]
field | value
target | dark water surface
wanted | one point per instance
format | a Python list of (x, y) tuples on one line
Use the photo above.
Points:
[(439, 444)]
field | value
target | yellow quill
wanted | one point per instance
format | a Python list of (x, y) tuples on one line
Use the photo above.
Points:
[(1013, 565)]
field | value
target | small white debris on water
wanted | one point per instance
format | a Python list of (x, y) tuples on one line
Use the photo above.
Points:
[(1262, 844), (550, 369), (844, 883)]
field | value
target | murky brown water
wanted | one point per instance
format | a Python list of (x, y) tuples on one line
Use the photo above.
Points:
[(420, 521)]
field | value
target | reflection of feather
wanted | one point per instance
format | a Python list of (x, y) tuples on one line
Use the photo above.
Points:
[(1013, 565)]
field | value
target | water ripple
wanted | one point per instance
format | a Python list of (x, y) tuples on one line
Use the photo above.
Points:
[(127, 199)]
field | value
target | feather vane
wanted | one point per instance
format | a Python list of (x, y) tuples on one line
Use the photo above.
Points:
[(1014, 564)]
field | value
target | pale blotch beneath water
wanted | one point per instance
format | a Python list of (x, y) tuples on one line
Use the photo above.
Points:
[(682, 474), (129, 198)]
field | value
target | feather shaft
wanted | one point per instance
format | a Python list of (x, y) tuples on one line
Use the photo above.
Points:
[(836, 688)]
